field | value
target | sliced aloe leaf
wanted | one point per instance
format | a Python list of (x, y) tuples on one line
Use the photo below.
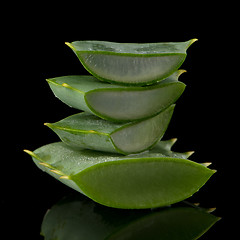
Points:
[(84, 130), (130, 63), (114, 102), (132, 182), (76, 217)]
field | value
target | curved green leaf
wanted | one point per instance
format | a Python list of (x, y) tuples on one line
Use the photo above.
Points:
[(84, 130), (137, 181), (76, 217), (130, 63), (117, 103)]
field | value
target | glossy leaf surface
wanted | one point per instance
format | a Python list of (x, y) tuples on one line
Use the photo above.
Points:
[(135, 181), (76, 217), (85, 130), (131, 63), (114, 102)]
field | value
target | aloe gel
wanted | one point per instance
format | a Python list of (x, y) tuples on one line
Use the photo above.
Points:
[(144, 180), (117, 103), (85, 130), (130, 63)]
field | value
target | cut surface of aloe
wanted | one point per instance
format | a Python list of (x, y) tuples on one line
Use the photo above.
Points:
[(84, 130), (114, 102), (130, 63), (135, 181), (77, 217)]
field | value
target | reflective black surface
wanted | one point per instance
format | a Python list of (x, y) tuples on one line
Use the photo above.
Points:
[(204, 118), (77, 217)]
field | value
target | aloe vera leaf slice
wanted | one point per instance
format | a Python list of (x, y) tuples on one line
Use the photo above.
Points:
[(76, 216), (129, 63), (117, 103), (130, 182), (84, 130)]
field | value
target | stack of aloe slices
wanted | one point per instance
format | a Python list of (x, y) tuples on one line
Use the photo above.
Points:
[(111, 152)]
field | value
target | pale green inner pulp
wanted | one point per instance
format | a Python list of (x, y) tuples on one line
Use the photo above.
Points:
[(140, 183), (131, 69), (125, 105), (136, 137)]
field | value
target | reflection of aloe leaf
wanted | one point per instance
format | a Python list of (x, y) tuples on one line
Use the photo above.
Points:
[(131, 63), (117, 103), (77, 217), (145, 180)]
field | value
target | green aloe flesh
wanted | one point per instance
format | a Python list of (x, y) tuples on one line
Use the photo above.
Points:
[(135, 181), (117, 103), (76, 217), (131, 63), (84, 130)]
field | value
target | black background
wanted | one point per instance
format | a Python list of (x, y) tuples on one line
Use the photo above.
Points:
[(203, 120)]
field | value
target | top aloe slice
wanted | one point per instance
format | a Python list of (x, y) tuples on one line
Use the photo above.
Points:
[(117, 103), (144, 180), (77, 217), (131, 63)]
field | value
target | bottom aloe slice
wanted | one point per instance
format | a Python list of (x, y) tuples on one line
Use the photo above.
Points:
[(85, 130), (136, 181), (76, 217)]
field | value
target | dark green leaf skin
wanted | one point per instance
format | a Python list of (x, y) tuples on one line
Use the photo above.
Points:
[(129, 63), (76, 217), (135, 181), (84, 130), (117, 103)]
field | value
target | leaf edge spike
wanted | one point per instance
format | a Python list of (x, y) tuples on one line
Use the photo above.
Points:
[(65, 177), (206, 164), (172, 142), (57, 172), (210, 210), (72, 88), (45, 165), (189, 153)]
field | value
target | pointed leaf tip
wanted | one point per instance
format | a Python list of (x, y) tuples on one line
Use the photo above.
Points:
[(32, 154), (194, 40), (190, 42), (49, 125), (69, 45), (29, 152)]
